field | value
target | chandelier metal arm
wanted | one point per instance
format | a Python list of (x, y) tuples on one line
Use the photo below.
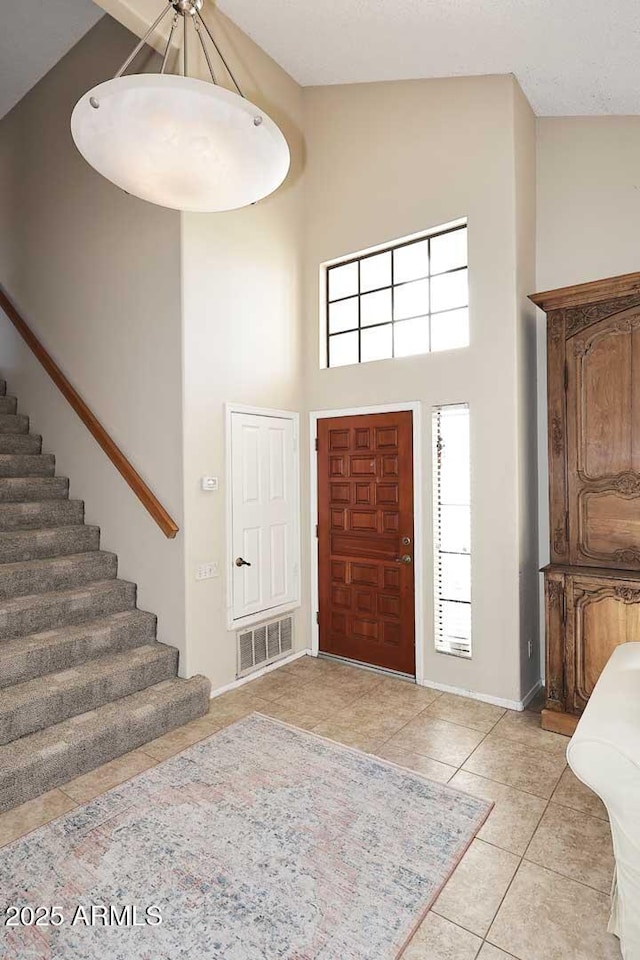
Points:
[(196, 25), (139, 47), (167, 50), (220, 54)]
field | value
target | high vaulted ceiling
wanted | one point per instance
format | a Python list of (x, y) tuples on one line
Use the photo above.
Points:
[(572, 57), (34, 35)]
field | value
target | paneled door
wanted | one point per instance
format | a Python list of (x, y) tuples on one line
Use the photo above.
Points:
[(603, 442), (264, 514), (365, 539)]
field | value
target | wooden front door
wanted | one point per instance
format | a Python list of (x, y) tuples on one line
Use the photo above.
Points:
[(366, 539)]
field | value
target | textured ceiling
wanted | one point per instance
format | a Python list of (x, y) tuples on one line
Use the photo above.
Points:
[(34, 35), (572, 57)]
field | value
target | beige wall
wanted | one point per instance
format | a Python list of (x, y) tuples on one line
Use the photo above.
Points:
[(391, 159), (241, 315), (160, 319), (525, 182), (588, 207), (97, 274)]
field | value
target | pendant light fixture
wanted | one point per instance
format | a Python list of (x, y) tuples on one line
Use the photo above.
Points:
[(177, 141)]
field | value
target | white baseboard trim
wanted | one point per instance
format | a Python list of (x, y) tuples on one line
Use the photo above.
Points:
[(258, 673), (486, 697), (535, 689), (445, 688)]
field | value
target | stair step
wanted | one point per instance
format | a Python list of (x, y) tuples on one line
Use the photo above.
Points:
[(38, 654), (8, 404), (45, 513), (27, 465), (30, 489), (14, 423), (48, 700), (35, 577), (18, 545), (32, 614), (40, 761), (20, 443)]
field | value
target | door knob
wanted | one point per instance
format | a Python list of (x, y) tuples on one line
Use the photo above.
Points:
[(405, 558), (242, 563)]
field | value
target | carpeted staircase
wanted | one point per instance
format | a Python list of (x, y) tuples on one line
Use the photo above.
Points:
[(82, 677)]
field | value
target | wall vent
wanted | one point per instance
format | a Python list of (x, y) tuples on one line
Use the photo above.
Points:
[(263, 644)]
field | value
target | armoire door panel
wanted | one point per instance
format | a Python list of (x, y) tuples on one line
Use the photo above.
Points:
[(603, 442), (603, 362), (603, 614), (609, 527)]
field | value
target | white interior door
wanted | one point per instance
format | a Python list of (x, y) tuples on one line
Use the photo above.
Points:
[(264, 514)]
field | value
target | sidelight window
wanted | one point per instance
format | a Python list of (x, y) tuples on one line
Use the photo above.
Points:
[(452, 529), (405, 299)]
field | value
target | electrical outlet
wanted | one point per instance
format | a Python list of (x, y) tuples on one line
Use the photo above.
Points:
[(206, 571)]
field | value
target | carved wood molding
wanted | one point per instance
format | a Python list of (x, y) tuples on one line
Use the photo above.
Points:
[(554, 592), (575, 319), (560, 540), (555, 690), (557, 435), (626, 484), (628, 594), (556, 326)]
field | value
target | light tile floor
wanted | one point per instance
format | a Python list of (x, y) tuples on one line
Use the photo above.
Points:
[(534, 883)]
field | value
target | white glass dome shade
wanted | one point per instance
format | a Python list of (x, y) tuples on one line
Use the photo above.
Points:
[(180, 142)]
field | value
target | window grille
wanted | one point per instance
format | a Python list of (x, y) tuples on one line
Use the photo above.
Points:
[(409, 298)]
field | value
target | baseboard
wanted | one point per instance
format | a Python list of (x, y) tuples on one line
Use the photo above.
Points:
[(533, 693), (445, 688), (258, 673), (486, 697)]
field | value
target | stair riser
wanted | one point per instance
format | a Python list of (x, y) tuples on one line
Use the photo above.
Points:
[(44, 772), (8, 404), (16, 423), (63, 574), (34, 516), (27, 465), (24, 545), (56, 707), (61, 611), (29, 443), (26, 489), (20, 666)]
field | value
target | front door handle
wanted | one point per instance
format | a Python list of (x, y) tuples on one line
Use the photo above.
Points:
[(242, 563), (405, 558)]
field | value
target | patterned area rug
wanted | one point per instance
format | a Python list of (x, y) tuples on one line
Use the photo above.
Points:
[(263, 842)]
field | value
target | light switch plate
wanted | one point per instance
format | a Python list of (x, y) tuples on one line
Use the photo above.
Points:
[(207, 571), (210, 484)]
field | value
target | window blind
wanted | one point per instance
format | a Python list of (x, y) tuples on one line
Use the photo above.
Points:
[(452, 529)]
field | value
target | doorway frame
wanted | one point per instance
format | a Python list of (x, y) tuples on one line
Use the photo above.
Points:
[(414, 407)]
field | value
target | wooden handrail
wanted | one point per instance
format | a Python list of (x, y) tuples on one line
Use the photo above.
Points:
[(115, 454)]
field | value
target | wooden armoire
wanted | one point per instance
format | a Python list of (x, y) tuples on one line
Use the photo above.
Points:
[(592, 585)]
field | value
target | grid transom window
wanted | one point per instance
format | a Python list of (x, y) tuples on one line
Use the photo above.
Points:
[(452, 529), (407, 299)]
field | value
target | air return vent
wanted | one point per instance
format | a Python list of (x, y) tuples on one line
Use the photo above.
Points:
[(263, 644)]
